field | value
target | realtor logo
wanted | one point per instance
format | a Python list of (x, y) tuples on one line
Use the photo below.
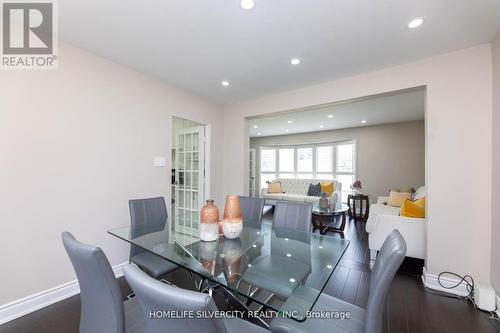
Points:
[(28, 34)]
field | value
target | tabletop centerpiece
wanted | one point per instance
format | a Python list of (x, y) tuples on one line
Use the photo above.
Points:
[(232, 224), (356, 187), (209, 222)]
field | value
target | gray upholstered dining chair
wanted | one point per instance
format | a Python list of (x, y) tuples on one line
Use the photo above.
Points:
[(156, 297), (149, 215), (102, 307), (272, 272), (367, 320), (251, 211), (293, 215)]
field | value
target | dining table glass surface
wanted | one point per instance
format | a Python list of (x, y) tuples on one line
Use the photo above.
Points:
[(280, 269)]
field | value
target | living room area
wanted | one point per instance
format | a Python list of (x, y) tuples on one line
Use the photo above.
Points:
[(363, 158)]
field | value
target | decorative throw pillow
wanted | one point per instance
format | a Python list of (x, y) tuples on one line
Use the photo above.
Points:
[(314, 190), (328, 188), (274, 187), (413, 208), (396, 199), (419, 194)]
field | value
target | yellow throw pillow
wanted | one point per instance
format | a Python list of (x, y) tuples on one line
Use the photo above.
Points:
[(328, 188), (413, 208), (274, 187), (396, 199)]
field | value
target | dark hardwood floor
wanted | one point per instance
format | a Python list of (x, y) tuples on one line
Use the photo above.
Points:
[(409, 308)]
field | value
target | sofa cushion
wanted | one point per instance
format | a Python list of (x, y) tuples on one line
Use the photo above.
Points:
[(314, 190), (413, 208), (273, 196), (396, 199), (294, 197), (313, 200), (420, 193), (274, 187), (327, 187)]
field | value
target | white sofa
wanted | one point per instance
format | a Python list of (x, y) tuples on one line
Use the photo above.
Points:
[(296, 190), (383, 219)]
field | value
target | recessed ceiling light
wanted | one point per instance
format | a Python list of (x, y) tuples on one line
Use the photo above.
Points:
[(415, 23), (292, 280), (289, 121), (330, 116), (363, 121), (247, 4), (321, 126), (258, 133), (295, 61), (287, 130), (225, 83), (255, 126)]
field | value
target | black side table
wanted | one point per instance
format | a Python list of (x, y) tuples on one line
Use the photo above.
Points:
[(364, 203)]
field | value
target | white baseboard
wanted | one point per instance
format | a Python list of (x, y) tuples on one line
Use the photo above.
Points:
[(23, 306), (431, 281)]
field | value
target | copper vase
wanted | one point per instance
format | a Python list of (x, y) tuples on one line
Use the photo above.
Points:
[(232, 208), (209, 222), (232, 224), (209, 213)]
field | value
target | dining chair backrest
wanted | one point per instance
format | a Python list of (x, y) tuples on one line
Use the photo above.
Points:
[(389, 260), (251, 211), (100, 296), (293, 215), (146, 216), (156, 297)]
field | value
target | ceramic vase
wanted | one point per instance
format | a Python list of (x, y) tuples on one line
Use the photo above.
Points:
[(323, 201), (209, 222), (232, 222)]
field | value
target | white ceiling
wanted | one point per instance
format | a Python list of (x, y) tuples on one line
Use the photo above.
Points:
[(195, 44), (386, 109)]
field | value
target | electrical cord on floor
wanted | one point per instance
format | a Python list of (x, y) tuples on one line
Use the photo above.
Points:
[(469, 281)]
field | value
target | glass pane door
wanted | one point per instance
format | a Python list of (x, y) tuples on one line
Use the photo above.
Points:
[(189, 190)]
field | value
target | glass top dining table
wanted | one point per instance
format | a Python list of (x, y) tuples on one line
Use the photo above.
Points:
[(281, 269)]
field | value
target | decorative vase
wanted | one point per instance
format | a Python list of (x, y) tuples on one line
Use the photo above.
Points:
[(209, 222), (232, 222), (323, 201)]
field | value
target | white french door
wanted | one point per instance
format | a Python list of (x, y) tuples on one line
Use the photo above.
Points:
[(251, 171), (190, 178)]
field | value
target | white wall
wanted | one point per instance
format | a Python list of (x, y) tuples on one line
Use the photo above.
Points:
[(495, 228), (458, 155), (76, 144), (388, 156)]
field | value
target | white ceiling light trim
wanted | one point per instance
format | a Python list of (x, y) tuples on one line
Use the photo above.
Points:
[(330, 116), (416, 22), (225, 83), (247, 4), (295, 61)]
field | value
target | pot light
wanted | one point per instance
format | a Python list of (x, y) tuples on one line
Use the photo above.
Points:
[(289, 121), (363, 121), (415, 23), (258, 133), (247, 4), (292, 280), (287, 130), (255, 126), (225, 83), (321, 126), (295, 61), (330, 116)]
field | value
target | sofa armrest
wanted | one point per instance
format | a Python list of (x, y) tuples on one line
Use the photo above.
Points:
[(412, 230), (382, 200), (262, 192)]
